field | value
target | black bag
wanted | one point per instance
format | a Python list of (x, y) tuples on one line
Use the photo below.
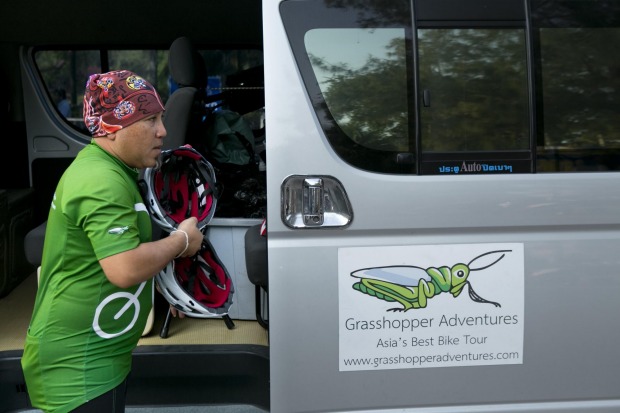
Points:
[(230, 139)]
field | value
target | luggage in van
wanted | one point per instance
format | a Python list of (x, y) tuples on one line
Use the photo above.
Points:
[(230, 146)]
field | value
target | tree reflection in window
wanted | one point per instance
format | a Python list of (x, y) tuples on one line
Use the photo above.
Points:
[(362, 75), (476, 86)]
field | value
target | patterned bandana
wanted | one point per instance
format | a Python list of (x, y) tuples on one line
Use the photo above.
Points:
[(115, 100)]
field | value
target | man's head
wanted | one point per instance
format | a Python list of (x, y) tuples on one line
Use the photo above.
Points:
[(117, 99)]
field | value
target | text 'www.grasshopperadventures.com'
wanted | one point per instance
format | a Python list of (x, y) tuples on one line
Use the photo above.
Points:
[(421, 361)]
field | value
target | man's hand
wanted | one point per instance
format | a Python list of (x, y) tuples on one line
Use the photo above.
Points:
[(176, 313), (194, 236)]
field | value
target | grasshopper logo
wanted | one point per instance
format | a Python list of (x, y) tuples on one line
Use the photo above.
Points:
[(118, 230), (413, 286)]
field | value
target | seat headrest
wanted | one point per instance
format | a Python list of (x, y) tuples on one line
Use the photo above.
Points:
[(187, 67)]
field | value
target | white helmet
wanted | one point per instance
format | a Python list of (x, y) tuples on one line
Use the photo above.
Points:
[(182, 185), (199, 286)]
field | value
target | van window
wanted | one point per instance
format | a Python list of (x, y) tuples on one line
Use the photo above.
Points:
[(356, 63), (363, 78), (64, 74), (474, 90), (462, 90), (579, 77), (569, 78), (150, 64)]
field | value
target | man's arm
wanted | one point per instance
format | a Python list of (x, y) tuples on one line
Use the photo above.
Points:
[(142, 263)]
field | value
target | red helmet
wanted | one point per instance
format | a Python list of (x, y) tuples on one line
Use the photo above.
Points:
[(199, 286), (182, 185)]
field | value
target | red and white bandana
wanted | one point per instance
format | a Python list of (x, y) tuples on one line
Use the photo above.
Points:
[(117, 99)]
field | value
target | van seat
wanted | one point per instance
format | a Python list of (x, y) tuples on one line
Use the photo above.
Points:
[(256, 265), (184, 108), (33, 244), (16, 219)]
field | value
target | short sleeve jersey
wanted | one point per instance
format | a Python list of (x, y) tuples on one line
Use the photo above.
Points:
[(84, 328)]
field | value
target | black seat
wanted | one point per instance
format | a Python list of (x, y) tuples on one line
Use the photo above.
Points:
[(256, 265), (16, 220), (33, 244), (185, 106)]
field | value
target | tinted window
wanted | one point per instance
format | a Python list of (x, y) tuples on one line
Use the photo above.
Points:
[(580, 128), (64, 74), (475, 90), (356, 62), (579, 78), (362, 76)]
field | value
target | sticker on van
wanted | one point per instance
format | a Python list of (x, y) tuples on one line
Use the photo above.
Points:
[(415, 306)]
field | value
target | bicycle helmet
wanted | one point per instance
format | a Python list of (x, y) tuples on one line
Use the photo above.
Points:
[(182, 185), (199, 286)]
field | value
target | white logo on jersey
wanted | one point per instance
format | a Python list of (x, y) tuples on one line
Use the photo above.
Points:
[(132, 300), (118, 230)]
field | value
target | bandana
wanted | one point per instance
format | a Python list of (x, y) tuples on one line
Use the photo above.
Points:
[(115, 100)]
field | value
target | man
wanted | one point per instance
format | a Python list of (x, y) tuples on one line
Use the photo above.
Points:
[(96, 286), (64, 105)]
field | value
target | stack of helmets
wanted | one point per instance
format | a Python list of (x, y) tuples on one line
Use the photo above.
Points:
[(183, 185), (180, 186), (199, 286)]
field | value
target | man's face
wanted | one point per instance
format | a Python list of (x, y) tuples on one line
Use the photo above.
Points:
[(139, 144)]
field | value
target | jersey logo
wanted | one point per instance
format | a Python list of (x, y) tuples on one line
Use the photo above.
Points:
[(118, 230), (132, 301)]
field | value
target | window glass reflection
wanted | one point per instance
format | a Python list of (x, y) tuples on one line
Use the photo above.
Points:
[(64, 73), (580, 84), (362, 76), (474, 87)]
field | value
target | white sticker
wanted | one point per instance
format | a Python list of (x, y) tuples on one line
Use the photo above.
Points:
[(430, 306)]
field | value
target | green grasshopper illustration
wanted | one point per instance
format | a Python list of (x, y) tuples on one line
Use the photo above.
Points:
[(413, 286)]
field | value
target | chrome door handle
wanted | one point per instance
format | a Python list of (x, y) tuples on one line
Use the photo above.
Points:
[(314, 202)]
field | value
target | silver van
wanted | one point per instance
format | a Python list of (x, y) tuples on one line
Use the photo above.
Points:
[(439, 181), (443, 205)]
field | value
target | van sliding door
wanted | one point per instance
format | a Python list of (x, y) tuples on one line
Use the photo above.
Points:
[(465, 278)]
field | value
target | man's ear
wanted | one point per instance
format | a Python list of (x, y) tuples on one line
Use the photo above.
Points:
[(104, 141)]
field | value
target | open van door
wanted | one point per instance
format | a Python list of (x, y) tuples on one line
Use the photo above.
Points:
[(436, 238)]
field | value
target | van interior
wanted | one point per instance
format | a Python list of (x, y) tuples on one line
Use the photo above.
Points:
[(205, 58)]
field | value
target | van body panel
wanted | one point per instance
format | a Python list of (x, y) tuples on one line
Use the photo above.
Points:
[(434, 284), (596, 407), (568, 225)]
